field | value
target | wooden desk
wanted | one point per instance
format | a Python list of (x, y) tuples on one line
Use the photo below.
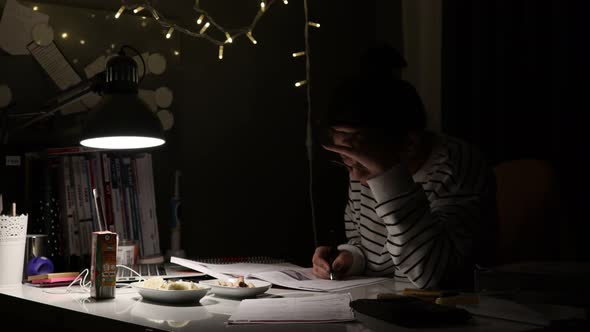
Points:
[(51, 309)]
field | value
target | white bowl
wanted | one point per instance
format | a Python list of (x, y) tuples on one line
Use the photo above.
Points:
[(171, 296), (237, 292)]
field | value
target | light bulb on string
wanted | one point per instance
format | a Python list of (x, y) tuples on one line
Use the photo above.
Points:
[(119, 12), (300, 83), (220, 55), (298, 54), (138, 9), (169, 33), (200, 19), (228, 38), (314, 24), (249, 34), (262, 5), (204, 28), (286, 2)]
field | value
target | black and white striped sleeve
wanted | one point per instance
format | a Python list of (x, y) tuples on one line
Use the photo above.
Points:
[(351, 230), (430, 239)]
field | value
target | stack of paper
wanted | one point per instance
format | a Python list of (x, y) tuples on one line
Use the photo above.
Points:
[(286, 275), (329, 308)]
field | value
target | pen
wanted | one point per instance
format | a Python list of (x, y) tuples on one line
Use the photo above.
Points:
[(332, 257)]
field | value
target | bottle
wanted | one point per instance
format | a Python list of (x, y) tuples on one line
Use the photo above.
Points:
[(175, 205)]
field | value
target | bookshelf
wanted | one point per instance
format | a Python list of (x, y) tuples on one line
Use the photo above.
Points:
[(125, 192)]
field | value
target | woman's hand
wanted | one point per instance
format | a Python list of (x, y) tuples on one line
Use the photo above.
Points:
[(365, 155), (321, 267)]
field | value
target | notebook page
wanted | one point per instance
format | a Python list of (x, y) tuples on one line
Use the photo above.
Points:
[(312, 309)]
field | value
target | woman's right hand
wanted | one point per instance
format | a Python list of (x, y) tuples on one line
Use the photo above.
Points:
[(321, 267)]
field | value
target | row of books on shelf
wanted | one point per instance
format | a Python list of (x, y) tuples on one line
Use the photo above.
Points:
[(100, 190)]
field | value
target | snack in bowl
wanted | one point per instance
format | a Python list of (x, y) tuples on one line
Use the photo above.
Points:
[(159, 290), (237, 287), (161, 284), (238, 283)]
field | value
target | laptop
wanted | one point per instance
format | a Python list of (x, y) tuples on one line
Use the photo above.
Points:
[(164, 270)]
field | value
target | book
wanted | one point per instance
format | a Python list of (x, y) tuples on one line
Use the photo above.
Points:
[(53, 275)]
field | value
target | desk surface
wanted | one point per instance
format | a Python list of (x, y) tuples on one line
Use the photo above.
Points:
[(77, 311)]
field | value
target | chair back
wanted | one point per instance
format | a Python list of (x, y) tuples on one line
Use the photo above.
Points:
[(528, 205)]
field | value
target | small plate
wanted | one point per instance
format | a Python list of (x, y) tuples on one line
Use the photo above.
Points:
[(171, 296), (237, 292)]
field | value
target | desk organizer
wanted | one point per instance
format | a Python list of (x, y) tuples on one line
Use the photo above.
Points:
[(13, 236)]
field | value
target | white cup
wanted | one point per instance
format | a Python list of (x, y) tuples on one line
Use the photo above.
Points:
[(13, 237)]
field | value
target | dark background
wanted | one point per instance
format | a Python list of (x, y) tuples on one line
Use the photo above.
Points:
[(510, 70)]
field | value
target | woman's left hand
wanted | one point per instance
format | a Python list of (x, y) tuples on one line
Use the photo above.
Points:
[(361, 151)]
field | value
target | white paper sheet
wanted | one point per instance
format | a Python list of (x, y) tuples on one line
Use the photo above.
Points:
[(329, 308), (286, 275), (16, 26)]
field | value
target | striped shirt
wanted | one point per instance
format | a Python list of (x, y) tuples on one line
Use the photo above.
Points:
[(422, 227)]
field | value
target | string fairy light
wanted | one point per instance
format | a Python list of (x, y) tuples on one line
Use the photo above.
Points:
[(119, 12), (298, 54), (169, 33), (229, 39), (218, 36), (309, 146), (252, 39), (204, 28)]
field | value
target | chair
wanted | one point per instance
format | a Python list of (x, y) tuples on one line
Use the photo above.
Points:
[(528, 211)]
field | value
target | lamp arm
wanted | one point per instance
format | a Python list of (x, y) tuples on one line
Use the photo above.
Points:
[(67, 97)]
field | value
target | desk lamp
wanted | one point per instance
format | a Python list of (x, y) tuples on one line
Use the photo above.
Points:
[(122, 120)]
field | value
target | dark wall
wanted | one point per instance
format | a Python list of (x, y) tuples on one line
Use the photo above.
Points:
[(242, 136), (513, 83)]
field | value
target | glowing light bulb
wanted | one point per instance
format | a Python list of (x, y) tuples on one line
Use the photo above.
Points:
[(262, 5), (228, 36), (220, 52), (35, 8), (300, 83), (138, 9), (200, 19), (119, 12), (314, 24), (82, 41), (249, 34), (297, 54), (64, 35), (286, 2), (176, 52), (204, 28), (169, 33)]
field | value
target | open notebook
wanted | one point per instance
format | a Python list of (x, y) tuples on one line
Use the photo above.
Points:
[(164, 270), (171, 270)]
